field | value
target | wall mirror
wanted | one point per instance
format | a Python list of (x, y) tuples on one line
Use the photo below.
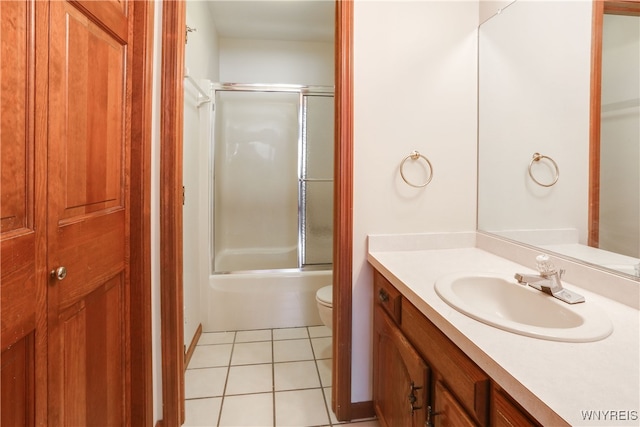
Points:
[(558, 138)]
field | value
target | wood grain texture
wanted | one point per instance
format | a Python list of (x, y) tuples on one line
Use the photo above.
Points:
[(22, 218), (140, 220), (192, 346), (17, 382), (594, 126), (343, 213), (171, 290), (89, 136), (507, 413), (17, 150), (100, 320), (400, 372), (447, 411), (464, 378)]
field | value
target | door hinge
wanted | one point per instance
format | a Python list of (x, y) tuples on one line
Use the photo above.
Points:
[(183, 197)]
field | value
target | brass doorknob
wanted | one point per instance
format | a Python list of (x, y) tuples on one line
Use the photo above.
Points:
[(59, 273)]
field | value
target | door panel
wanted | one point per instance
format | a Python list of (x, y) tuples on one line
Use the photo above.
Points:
[(400, 393), (448, 412), (18, 386), (89, 143), (17, 141), (91, 330), (19, 238)]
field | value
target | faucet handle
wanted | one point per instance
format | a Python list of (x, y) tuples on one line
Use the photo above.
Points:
[(544, 265)]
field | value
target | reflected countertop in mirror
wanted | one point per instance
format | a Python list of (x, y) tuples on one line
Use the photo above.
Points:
[(535, 83)]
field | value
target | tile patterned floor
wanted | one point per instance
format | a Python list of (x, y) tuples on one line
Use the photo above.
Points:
[(267, 377)]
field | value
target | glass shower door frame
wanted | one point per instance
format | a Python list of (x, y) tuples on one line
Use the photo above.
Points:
[(304, 179), (304, 92)]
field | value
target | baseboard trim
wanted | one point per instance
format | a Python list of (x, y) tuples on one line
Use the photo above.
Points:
[(360, 410), (192, 346)]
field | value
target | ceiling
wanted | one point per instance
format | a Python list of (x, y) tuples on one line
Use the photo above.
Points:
[(300, 20)]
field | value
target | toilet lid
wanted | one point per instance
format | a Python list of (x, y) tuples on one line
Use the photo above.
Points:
[(325, 295)]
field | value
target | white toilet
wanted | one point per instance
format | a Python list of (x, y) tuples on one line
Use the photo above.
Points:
[(324, 298)]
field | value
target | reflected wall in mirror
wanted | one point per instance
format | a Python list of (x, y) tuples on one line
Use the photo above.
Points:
[(615, 136), (535, 81)]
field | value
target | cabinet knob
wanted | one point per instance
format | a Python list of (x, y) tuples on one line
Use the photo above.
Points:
[(59, 273), (384, 297)]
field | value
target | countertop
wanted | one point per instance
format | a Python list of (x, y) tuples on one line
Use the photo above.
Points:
[(556, 382)]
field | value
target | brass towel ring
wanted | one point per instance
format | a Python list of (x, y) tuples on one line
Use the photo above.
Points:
[(415, 155), (536, 158)]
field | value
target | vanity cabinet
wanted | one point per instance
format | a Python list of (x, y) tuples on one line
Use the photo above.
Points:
[(400, 392), (507, 413), (422, 378)]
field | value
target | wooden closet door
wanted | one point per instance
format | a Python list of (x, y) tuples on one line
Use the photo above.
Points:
[(22, 226), (88, 213)]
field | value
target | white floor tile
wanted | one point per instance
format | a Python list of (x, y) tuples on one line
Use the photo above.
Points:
[(301, 408), (319, 331), (247, 410), (295, 375), (209, 356), (252, 336), (290, 333), (216, 338), (202, 412), (251, 353), (292, 350), (250, 379), (207, 382), (324, 368), (322, 347), (259, 366)]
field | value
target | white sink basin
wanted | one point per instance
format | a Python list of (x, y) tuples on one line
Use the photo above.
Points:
[(500, 301)]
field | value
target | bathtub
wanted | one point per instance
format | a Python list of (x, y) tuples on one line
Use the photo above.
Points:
[(282, 299)]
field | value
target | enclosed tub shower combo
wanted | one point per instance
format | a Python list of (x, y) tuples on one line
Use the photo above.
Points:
[(271, 205)]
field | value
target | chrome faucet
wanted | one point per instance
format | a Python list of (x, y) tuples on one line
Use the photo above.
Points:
[(549, 281)]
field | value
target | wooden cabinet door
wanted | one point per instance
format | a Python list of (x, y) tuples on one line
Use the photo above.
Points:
[(88, 210), (22, 237), (448, 412), (400, 379), (505, 413)]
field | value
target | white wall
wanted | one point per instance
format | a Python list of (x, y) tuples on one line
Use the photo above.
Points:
[(620, 136), (415, 88), (201, 51), (534, 97), (275, 61), (201, 61), (488, 8)]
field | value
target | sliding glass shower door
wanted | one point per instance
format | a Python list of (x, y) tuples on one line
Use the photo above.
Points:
[(316, 183), (272, 179)]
